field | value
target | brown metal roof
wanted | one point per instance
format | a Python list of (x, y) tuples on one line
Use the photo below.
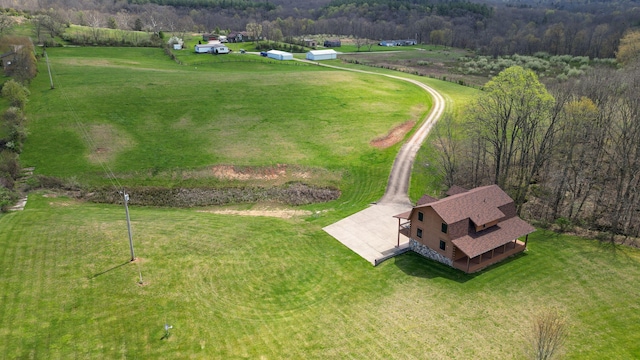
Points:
[(471, 204), (478, 243)]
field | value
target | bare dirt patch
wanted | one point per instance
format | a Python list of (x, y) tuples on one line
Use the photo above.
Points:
[(394, 136), (107, 143), (277, 213), (230, 172)]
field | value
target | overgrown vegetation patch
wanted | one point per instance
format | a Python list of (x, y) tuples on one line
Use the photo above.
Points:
[(290, 194)]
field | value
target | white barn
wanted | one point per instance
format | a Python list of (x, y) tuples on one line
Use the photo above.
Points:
[(279, 55), (322, 54)]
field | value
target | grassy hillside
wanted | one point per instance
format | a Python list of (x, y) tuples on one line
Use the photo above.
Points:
[(255, 287), (144, 116)]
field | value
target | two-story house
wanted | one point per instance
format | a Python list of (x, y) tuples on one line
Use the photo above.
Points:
[(468, 230)]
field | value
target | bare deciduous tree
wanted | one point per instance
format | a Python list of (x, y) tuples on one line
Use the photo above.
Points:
[(548, 334), (447, 149), (514, 119)]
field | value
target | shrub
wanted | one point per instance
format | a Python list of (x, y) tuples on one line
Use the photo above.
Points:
[(574, 72), (9, 165), (17, 94), (564, 224), (290, 194), (7, 198)]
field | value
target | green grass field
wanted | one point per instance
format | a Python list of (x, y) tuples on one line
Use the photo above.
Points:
[(256, 287), (260, 287), (143, 115)]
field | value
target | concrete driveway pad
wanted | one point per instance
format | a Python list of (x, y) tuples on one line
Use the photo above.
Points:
[(372, 233)]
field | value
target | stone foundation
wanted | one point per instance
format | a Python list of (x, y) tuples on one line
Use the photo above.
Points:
[(429, 253)]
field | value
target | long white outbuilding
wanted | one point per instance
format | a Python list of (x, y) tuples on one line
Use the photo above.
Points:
[(322, 54), (279, 55)]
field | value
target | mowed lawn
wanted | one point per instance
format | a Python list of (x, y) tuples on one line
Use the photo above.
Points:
[(257, 287), (141, 114)]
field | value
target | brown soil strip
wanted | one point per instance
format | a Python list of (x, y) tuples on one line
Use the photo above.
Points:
[(394, 136)]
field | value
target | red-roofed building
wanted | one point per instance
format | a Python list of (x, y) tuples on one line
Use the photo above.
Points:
[(468, 230)]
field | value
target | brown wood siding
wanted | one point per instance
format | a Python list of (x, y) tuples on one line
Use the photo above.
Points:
[(488, 225), (431, 231)]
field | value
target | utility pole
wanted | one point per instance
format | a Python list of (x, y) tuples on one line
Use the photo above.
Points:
[(48, 68), (126, 209)]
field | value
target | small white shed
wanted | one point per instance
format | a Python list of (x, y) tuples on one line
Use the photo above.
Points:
[(322, 54), (279, 55)]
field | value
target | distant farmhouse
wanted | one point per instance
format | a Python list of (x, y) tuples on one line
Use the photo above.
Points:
[(238, 37), (214, 47), (332, 43), (407, 42), (204, 48), (468, 230), (209, 37), (310, 43)]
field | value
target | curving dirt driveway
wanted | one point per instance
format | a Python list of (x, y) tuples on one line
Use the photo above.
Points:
[(398, 184), (373, 232)]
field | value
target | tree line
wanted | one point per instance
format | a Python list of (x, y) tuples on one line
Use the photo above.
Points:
[(13, 120), (567, 153), (578, 28)]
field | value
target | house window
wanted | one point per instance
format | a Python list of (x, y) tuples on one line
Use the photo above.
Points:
[(419, 233), (420, 216), (443, 245), (444, 228)]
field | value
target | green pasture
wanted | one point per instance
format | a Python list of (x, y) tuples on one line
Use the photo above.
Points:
[(144, 116), (432, 52), (255, 287), (425, 177)]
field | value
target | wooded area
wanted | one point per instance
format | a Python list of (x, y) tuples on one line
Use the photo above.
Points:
[(569, 154), (579, 28)]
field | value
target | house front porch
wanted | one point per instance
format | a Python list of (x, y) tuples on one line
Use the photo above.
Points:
[(477, 263)]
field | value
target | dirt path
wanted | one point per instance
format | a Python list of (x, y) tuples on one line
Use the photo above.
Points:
[(398, 183), (373, 232)]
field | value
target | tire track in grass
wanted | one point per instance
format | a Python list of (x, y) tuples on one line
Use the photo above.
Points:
[(40, 258), (8, 269), (15, 305), (274, 282)]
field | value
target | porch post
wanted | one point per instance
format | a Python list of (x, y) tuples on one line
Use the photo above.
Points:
[(468, 259), (398, 233), (493, 253), (525, 241)]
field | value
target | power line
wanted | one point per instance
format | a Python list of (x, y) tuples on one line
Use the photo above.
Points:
[(86, 136)]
